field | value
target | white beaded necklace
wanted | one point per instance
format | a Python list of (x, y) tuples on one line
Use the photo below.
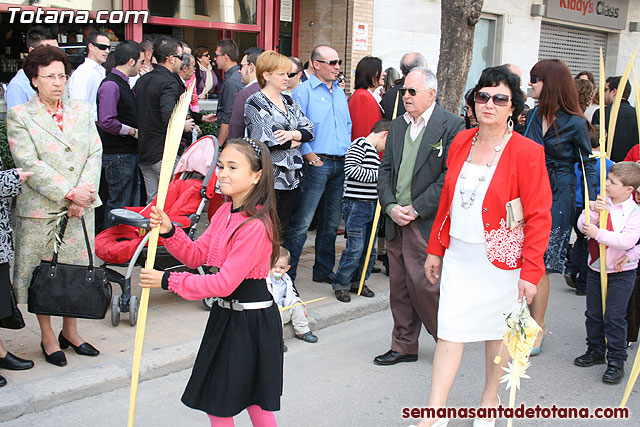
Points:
[(463, 174)]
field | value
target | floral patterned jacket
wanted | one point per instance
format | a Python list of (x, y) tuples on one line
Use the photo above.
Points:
[(9, 187), (60, 160), (521, 172)]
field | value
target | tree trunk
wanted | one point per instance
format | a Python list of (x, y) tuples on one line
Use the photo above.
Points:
[(458, 19)]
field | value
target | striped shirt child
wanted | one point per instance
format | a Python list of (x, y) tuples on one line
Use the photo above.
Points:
[(361, 171)]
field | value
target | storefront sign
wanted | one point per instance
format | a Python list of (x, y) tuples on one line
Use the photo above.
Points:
[(602, 13), (360, 36)]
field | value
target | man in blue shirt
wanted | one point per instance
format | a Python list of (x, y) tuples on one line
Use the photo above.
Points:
[(19, 89), (325, 104)]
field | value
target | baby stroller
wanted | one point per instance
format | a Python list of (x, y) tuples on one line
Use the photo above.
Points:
[(125, 244)]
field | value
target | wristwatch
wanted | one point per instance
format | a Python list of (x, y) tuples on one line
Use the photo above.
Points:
[(317, 159)]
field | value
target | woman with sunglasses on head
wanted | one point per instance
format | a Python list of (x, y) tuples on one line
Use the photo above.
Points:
[(363, 107), (206, 79), (559, 125), (276, 119), (485, 265)]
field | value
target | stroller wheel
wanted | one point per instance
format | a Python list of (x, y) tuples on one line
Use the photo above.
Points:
[(208, 303), (115, 310), (133, 310)]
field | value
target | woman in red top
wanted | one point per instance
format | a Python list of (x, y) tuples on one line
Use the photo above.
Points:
[(363, 107), (484, 264)]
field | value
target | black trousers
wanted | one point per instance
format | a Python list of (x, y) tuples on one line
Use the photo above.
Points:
[(613, 326), (285, 206)]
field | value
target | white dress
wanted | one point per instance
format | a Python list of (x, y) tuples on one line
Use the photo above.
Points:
[(475, 295)]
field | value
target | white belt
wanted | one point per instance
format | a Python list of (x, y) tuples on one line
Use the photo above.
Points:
[(242, 306)]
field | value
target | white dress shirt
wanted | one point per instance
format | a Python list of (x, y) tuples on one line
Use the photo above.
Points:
[(421, 122), (84, 83)]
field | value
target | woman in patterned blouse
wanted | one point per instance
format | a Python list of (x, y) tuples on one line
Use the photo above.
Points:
[(276, 119)]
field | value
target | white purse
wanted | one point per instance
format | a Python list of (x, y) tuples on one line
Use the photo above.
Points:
[(515, 213)]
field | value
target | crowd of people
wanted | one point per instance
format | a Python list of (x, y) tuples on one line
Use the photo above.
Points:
[(477, 208)]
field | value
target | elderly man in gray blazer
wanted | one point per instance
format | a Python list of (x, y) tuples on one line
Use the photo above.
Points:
[(410, 180)]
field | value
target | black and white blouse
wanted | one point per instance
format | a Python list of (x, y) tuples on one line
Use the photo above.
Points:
[(262, 118), (9, 186)]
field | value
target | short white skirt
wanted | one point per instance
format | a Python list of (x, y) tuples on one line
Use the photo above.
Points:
[(475, 295)]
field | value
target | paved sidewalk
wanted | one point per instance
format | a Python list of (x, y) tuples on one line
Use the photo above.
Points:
[(173, 333)]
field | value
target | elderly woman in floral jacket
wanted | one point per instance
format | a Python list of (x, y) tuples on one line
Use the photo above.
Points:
[(56, 139)]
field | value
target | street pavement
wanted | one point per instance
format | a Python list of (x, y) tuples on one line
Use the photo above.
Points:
[(334, 383)]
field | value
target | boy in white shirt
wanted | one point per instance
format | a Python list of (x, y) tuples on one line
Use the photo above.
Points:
[(285, 294), (607, 334)]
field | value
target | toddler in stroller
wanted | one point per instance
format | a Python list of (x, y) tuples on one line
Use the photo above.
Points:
[(125, 244)]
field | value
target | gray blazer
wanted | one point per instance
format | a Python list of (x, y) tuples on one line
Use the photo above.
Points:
[(429, 170)]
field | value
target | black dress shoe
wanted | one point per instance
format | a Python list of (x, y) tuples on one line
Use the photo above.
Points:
[(590, 358), (343, 296), (392, 357), (366, 292), (15, 363), (3, 382), (56, 358), (614, 372), (84, 349)]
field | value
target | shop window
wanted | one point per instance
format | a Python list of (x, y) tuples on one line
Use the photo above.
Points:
[(228, 11)]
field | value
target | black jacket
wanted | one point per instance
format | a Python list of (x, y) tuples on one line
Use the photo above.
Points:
[(157, 93), (626, 135), (389, 100)]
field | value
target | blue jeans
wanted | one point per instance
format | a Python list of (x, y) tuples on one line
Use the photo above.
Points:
[(123, 179), (613, 326), (321, 187), (358, 218)]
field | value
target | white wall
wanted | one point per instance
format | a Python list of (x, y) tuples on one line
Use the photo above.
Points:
[(401, 26)]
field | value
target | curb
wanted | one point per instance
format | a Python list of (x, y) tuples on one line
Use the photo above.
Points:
[(40, 395)]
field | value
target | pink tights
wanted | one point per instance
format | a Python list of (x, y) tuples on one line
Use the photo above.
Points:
[(259, 418)]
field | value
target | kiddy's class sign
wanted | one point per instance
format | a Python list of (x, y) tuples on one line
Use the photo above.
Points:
[(603, 13)]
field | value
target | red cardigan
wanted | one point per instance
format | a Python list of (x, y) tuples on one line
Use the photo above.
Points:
[(365, 112), (521, 172)]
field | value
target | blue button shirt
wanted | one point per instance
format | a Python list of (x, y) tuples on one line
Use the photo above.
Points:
[(19, 90), (329, 112)]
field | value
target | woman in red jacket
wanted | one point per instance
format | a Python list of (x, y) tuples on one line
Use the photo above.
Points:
[(485, 264), (363, 107)]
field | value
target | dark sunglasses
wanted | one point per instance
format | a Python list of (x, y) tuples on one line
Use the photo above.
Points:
[(498, 99), (101, 46), (292, 75), (179, 56), (332, 63), (534, 79), (412, 91), (206, 54)]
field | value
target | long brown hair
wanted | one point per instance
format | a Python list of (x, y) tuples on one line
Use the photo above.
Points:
[(260, 203), (558, 90)]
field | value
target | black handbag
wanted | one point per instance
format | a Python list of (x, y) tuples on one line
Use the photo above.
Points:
[(69, 290), (15, 320)]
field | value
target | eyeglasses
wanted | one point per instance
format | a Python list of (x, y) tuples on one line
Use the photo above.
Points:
[(206, 54), (340, 79), (534, 79), (331, 63), (101, 46), (292, 75), (412, 91), (55, 77), (179, 56), (215, 55), (498, 99)]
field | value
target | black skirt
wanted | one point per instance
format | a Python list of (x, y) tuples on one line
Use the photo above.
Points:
[(5, 291), (239, 363)]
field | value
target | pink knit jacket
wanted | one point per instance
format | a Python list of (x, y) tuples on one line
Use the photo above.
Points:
[(245, 256)]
